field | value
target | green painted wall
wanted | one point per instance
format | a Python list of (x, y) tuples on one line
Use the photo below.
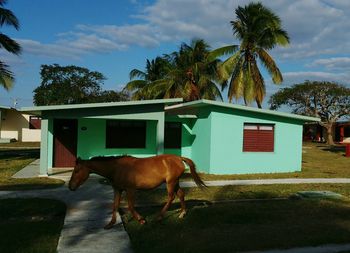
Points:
[(227, 156), (202, 141), (92, 142)]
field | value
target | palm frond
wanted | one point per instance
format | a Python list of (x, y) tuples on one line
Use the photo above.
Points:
[(270, 65), (225, 68), (8, 18), (236, 85), (260, 88), (211, 91), (281, 37), (222, 51), (136, 73), (9, 44), (135, 85), (6, 76)]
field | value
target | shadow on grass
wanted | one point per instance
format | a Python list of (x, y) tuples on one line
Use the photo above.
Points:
[(30, 225), (20, 154), (243, 226), (333, 149), (31, 186)]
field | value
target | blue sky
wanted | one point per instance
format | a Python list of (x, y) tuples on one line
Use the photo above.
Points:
[(113, 37)]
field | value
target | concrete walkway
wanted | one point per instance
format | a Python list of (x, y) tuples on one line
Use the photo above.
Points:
[(89, 209)]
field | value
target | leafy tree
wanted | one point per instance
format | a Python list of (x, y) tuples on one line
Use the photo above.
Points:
[(109, 96), (326, 100), (67, 85), (187, 73), (7, 18), (258, 29)]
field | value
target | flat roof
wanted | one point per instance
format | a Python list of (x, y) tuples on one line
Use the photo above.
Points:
[(38, 109), (204, 102)]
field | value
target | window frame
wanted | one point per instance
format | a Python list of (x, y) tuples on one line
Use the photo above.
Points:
[(127, 126), (263, 139)]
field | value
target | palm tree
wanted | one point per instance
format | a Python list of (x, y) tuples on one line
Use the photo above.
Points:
[(187, 73), (156, 69), (7, 18), (194, 75), (258, 30)]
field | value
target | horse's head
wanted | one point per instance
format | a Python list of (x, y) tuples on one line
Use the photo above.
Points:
[(79, 175)]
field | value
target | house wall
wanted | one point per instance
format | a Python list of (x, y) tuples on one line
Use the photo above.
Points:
[(92, 141), (226, 149), (31, 135), (202, 141), (15, 125)]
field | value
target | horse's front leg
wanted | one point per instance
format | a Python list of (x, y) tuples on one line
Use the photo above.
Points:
[(131, 204), (117, 197)]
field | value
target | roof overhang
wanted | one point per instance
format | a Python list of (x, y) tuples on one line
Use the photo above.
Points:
[(193, 107), (37, 110)]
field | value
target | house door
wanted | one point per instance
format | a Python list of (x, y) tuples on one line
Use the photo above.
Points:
[(65, 142)]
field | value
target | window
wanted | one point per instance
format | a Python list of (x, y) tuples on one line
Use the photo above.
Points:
[(34, 122), (258, 138), (172, 135), (125, 134)]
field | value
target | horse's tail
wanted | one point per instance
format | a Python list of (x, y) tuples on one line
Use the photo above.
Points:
[(199, 182)]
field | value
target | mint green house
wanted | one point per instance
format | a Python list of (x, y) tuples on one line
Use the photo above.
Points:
[(221, 138)]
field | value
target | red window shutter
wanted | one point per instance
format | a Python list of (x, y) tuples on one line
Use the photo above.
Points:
[(260, 139)]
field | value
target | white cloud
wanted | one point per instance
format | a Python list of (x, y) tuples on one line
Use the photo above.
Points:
[(333, 63), (11, 59), (301, 76), (69, 45), (125, 36), (317, 28)]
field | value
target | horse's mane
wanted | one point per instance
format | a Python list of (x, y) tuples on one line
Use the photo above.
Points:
[(107, 158), (101, 158)]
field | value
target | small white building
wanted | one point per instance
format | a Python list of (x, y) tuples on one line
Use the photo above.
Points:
[(15, 125)]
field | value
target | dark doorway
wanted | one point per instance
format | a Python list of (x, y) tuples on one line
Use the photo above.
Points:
[(65, 142)]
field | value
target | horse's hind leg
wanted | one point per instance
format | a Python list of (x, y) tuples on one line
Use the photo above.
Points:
[(131, 203), (117, 197), (171, 196), (181, 195)]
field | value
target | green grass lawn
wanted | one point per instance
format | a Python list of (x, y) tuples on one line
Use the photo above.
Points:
[(18, 144), (30, 225), (214, 224), (13, 161), (319, 161)]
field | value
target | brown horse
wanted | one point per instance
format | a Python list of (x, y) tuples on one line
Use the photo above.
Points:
[(127, 173)]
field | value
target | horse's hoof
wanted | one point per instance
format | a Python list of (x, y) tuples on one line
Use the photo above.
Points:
[(109, 226), (182, 215)]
